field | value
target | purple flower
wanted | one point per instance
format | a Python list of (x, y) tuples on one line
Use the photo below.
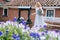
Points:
[(46, 31), (56, 31), (1, 33), (25, 27), (7, 32), (36, 26), (44, 26), (15, 19), (0, 22), (16, 36), (35, 35), (22, 21), (43, 33), (17, 39)]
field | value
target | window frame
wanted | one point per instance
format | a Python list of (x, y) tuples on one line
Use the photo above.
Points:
[(7, 0), (4, 13), (50, 9)]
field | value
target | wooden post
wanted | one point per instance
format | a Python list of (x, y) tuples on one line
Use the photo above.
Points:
[(19, 15)]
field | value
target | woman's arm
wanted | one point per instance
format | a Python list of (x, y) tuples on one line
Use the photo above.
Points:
[(33, 14), (42, 11)]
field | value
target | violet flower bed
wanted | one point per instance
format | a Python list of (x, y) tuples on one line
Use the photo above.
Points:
[(12, 30)]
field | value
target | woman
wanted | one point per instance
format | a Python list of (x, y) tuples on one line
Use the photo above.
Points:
[(39, 20)]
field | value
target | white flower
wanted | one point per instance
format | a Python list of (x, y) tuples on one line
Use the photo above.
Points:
[(7, 23), (0, 26), (42, 37), (21, 17), (21, 25), (3, 24), (40, 33), (34, 29), (59, 37), (52, 34), (15, 24), (23, 30), (27, 29)]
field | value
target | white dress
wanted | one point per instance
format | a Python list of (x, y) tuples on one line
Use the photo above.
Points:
[(39, 20)]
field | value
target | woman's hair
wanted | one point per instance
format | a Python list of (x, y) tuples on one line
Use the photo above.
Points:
[(38, 4)]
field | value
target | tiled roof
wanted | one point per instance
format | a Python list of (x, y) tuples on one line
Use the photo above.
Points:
[(32, 2)]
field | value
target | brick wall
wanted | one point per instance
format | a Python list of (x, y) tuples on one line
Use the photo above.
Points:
[(24, 14), (1, 9), (11, 14), (14, 13), (57, 13), (2, 18), (1, 0)]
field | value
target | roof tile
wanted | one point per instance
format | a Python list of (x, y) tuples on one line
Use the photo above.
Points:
[(31, 2)]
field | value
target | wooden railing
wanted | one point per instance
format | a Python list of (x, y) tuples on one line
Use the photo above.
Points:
[(52, 22), (52, 19)]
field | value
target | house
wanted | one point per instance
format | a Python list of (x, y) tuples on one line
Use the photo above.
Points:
[(9, 9)]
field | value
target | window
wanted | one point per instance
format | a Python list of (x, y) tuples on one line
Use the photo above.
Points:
[(5, 11), (7, 0), (50, 12)]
